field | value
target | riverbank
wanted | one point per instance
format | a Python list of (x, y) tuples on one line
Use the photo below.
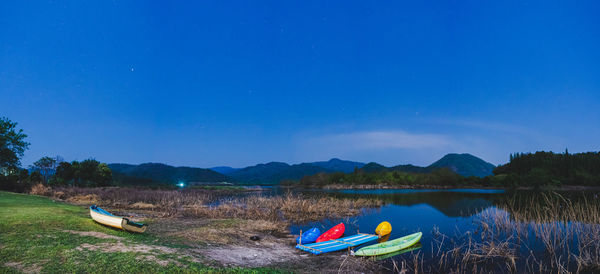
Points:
[(208, 231), (357, 187), (441, 187), (188, 238), (41, 235)]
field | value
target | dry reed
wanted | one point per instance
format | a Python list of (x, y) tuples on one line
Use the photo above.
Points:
[(547, 233), (217, 204)]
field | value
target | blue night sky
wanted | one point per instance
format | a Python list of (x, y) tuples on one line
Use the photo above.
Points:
[(238, 83)]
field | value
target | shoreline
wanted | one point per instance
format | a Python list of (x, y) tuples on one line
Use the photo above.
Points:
[(366, 187), (392, 187)]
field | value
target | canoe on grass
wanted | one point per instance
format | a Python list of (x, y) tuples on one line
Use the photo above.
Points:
[(389, 246), (338, 244), (106, 218)]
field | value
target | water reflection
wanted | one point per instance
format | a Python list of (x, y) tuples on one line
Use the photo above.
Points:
[(451, 202), (459, 212)]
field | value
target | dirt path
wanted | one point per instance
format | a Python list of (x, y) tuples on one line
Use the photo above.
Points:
[(227, 243)]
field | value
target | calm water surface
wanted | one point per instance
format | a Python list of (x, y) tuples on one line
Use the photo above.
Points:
[(452, 212), (409, 210)]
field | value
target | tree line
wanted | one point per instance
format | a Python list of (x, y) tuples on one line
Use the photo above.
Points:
[(540, 169), (438, 177), (549, 168), (47, 170)]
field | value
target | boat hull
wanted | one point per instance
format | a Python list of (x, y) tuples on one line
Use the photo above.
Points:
[(310, 236), (102, 216), (390, 246), (337, 244), (333, 233)]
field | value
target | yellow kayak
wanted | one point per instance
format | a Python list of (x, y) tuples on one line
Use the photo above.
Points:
[(383, 229)]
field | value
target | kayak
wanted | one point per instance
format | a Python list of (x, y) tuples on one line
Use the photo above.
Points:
[(310, 236), (414, 247), (337, 244), (390, 246), (383, 229), (106, 218), (333, 233)]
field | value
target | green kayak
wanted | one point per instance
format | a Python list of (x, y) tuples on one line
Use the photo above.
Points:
[(390, 246), (414, 247)]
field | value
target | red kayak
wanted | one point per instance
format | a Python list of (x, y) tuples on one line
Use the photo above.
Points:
[(332, 234)]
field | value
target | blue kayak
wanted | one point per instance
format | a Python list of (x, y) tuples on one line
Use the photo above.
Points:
[(310, 236), (337, 244)]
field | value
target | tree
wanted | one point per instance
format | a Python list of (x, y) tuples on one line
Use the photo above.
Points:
[(45, 166), (65, 174), (23, 175), (103, 175), (36, 177), (12, 145), (87, 170), (86, 173)]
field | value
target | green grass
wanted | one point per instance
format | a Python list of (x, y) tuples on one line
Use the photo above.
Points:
[(32, 235)]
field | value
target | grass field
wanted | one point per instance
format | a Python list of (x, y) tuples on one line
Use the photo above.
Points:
[(38, 234)]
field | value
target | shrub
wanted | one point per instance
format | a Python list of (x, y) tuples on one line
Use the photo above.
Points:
[(40, 189)]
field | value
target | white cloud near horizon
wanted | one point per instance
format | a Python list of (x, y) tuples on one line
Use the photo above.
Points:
[(384, 139), (488, 125)]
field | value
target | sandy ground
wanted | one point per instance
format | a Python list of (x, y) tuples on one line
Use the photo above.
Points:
[(219, 242), (274, 251), (227, 243)]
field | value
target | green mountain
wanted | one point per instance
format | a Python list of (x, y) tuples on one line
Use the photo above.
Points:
[(154, 173), (275, 172), (373, 167), (336, 164), (410, 168), (224, 169), (463, 164)]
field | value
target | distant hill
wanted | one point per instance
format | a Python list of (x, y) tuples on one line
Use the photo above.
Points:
[(224, 169), (374, 167), (275, 172), (339, 165), (154, 173), (463, 164), (410, 168)]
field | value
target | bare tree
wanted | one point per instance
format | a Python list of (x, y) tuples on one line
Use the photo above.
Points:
[(46, 166)]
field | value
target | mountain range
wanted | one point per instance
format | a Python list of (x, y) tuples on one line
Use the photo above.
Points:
[(274, 172), (463, 164), (155, 173)]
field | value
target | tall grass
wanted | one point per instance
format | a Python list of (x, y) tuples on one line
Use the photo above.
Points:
[(547, 233), (218, 203), (289, 207)]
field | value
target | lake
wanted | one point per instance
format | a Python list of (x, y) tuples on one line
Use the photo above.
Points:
[(500, 225)]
